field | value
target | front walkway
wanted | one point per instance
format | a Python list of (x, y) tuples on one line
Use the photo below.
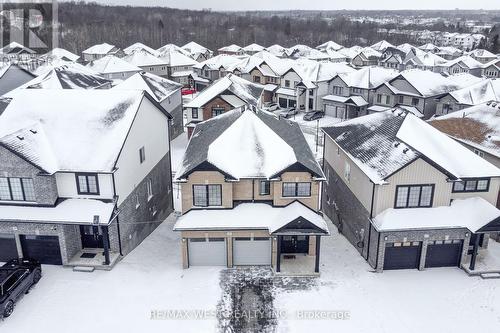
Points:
[(298, 264)]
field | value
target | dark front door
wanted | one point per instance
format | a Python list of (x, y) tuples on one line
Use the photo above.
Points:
[(295, 244), (444, 255), (8, 249), (45, 249), (402, 255), (91, 237)]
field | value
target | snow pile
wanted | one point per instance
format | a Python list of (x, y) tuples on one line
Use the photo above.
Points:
[(249, 148), (472, 213)]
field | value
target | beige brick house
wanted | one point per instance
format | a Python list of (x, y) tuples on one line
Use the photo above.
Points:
[(250, 195)]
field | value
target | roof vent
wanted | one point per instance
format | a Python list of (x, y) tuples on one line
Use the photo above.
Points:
[(20, 137), (405, 150), (489, 103), (33, 131), (396, 144), (494, 104)]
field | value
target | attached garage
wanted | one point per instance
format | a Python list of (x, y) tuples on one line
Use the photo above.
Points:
[(207, 252), (45, 249), (444, 253), (402, 255), (335, 111), (248, 251), (8, 249)]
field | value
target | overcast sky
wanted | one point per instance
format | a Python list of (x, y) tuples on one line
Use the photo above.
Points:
[(308, 4)]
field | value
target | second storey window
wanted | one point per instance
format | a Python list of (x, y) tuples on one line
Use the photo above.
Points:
[(194, 113), (217, 111), (473, 185), (264, 187), (17, 189), (411, 196), (87, 183), (142, 154), (207, 195), (337, 90), (287, 83), (414, 101), (296, 189)]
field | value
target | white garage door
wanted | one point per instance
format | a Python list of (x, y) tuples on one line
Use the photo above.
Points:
[(207, 253), (334, 111), (252, 252)]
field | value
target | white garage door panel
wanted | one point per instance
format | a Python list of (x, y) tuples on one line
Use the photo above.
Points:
[(330, 110), (252, 252), (211, 253)]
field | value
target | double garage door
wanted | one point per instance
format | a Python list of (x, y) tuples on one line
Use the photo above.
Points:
[(213, 251), (407, 255), (335, 111), (45, 249)]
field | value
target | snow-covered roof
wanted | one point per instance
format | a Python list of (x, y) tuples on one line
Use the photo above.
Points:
[(427, 83), (233, 48), (139, 46), (68, 76), (158, 87), (429, 47), (111, 64), (330, 45), (382, 143), (253, 48), (61, 54), (480, 92), (175, 58), (256, 216), (351, 52), (381, 46), (368, 77), (481, 53), (245, 90), (194, 48), (260, 146), (472, 213), (478, 126), (16, 48), (103, 48), (143, 58), (69, 211), (222, 60), (165, 49), (69, 129), (464, 61), (277, 50), (4, 67)]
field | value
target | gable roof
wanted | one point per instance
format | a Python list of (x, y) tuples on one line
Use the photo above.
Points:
[(16, 48), (71, 129), (480, 92), (142, 58), (253, 48), (111, 64), (381, 46), (427, 83), (368, 77), (382, 143), (103, 48), (247, 91), (193, 48), (139, 46), (330, 45), (478, 126), (158, 87), (61, 54), (259, 145), (230, 48)]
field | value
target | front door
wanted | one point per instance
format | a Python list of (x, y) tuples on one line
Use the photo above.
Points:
[(295, 244), (91, 236)]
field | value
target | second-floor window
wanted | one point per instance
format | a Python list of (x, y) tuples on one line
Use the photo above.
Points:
[(473, 185), (256, 79), (216, 111), (194, 113), (142, 155), (207, 195), (337, 90), (414, 101), (296, 189), (412, 196), (87, 183), (264, 187), (401, 99), (287, 83), (17, 189)]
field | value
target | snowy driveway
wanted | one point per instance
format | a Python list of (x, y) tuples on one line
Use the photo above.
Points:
[(149, 292)]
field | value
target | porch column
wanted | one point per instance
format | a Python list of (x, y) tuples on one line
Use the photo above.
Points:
[(316, 264), (105, 242), (307, 100), (474, 253), (278, 254)]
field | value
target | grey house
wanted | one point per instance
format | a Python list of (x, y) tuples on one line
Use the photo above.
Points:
[(406, 195), (84, 175)]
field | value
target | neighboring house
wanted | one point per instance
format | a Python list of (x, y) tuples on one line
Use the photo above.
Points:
[(250, 195), (416, 88), (139, 47), (382, 46), (15, 51), (179, 65), (60, 54), (478, 93), (405, 194), (463, 64), (253, 48), (330, 45), (13, 76), (366, 57), (114, 68), (277, 50), (349, 94), (228, 93), (429, 47), (101, 50), (212, 69), (85, 175), (232, 49), (491, 69), (165, 92), (483, 56), (198, 52), (147, 62), (476, 127)]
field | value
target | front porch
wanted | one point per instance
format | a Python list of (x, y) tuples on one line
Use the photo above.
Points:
[(484, 262), (299, 264), (93, 258)]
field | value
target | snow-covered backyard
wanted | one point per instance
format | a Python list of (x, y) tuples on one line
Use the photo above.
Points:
[(150, 281)]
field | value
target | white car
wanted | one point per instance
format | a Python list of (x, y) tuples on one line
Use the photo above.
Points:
[(272, 107)]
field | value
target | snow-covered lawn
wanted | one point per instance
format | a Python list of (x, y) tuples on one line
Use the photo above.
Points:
[(151, 278)]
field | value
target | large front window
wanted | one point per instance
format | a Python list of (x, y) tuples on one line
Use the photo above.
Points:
[(207, 195), (296, 189), (411, 196), (472, 185), (17, 189), (217, 111), (87, 183)]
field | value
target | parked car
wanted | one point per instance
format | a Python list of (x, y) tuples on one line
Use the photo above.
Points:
[(17, 276), (271, 106), (288, 112), (313, 115)]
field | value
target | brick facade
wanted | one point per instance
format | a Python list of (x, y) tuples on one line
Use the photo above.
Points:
[(218, 103)]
